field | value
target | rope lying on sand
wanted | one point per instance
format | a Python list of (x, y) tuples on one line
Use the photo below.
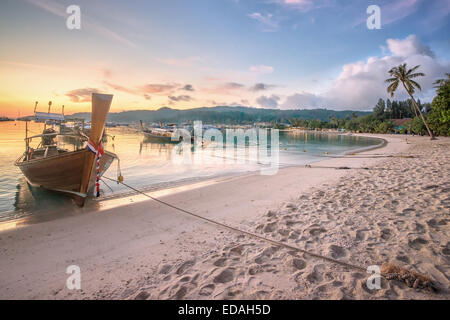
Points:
[(333, 157), (388, 270)]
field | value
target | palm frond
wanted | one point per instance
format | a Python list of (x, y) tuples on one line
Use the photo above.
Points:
[(412, 69), (410, 87), (390, 80), (415, 75), (415, 84), (392, 87)]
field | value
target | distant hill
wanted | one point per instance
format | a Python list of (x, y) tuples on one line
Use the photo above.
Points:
[(222, 114)]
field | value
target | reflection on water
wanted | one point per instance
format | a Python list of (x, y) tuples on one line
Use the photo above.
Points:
[(28, 198), (149, 165)]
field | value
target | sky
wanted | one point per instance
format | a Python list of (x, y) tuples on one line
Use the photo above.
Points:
[(285, 54)]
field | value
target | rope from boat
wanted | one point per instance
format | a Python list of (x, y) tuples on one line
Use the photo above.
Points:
[(99, 152), (249, 234)]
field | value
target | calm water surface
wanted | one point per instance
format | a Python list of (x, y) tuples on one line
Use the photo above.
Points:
[(149, 165)]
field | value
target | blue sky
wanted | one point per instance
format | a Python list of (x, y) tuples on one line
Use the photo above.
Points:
[(270, 53)]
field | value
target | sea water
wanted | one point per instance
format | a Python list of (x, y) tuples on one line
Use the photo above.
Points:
[(149, 165)]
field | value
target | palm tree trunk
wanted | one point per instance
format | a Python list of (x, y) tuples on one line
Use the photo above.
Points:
[(415, 111), (420, 112)]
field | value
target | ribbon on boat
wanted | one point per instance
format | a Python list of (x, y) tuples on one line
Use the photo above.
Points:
[(99, 152)]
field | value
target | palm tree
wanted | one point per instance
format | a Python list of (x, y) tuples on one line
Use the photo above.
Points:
[(439, 83), (405, 76)]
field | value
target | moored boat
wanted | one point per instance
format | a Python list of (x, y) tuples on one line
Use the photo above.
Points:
[(163, 134), (69, 172)]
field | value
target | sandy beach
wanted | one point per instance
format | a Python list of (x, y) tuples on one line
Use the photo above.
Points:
[(392, 205)]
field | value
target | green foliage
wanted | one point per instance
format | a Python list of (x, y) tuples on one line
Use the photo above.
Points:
[(417, 126), (439, 117), (385, 127), (379, 110), (223, 114)]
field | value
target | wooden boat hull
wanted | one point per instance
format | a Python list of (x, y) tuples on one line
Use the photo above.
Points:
[(63, 172)]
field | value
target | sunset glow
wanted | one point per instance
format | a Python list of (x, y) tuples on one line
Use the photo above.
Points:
[(183, 54)]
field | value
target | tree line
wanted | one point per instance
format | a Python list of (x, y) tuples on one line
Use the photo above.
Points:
[(427, 118)]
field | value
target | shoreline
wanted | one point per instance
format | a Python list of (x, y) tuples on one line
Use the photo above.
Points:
[(118, 248), (111, 200)]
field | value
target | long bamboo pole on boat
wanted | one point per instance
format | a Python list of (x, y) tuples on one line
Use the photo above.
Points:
[(100, 108)]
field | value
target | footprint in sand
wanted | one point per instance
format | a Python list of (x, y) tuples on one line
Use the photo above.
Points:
[(260, 259), (207, 290), (417, 243), (407, 211), (294, 235), (361, 235), (314, 276), (270, 213), (265, 255), (433, 223), (186, 265), (237, 250), (430, 187), (401, 258), (165, 269), (446, 250), (180, 293), (220, 262), (254, 269), (385, 234), (270, 227), (224, 276), (317, 231), (420, 228), (298, 264), (336, 251)]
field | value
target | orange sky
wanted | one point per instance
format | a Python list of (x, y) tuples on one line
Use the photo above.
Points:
[(185, 54)]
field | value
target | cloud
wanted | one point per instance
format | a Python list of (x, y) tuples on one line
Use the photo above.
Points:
[(180, 98), (397, 10), (188, 87), (233, 85), (305, 5), (261, 69), (147, 90), (156, 88), (408, 47), (304, 100), (261, 87), (81, 95), (88, 23), (121, 88), (183, 62), (267, 21), (268, 102), (227, 88), (360, 84)]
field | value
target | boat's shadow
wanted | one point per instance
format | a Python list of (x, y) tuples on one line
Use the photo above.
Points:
[(36, 204)]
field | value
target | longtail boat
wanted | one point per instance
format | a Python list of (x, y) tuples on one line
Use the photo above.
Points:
[(69, 172), (163, 134)]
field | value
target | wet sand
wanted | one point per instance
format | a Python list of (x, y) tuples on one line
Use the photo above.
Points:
[(134, 248)]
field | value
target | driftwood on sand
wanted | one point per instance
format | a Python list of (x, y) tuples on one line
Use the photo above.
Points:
[(412, 279)]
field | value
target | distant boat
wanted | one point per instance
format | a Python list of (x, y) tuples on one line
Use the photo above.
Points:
[(69, 172), (160, 135), (79, 127)]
